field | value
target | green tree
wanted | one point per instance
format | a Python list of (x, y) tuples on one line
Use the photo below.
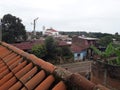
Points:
[(106, 40), (117, 52), (117, 36), (110, 50), (12, 29), (51, 47), (66, 52), (39, 51)]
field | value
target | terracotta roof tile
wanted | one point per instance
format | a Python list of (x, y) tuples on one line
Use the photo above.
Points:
[(46, 83), (35, 80), (5, 78), (5, 72), (22, 71), (16, 63), (60, 86), (24, 79), (2, 65), (3, 68), (13, 60)]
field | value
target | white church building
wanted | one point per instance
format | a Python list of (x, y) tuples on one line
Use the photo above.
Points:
[(50, 32)]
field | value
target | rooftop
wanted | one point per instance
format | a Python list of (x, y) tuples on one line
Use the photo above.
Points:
[(52, 30), (87, 38), (22, 71), (78, 48), (28, 44)]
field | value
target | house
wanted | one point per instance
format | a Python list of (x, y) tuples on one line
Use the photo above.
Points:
[(81, 47), (79, 52), (50, 32), (27, 46), (22, 71)]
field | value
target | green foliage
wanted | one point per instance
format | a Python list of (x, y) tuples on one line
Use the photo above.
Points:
[(51, 52), (66, 52), (39, 51), (97, 51), (12, 29), (117, 36), (110, 50), (106, 40), (107, 53), (117, 52), (51, 46)]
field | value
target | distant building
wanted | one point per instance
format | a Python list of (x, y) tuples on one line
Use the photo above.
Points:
[(50, 32), (81, 47)]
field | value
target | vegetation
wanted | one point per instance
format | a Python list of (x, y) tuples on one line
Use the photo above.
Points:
[(51, 52), (66, 52), (106, 40), (117, 52), (39, 50), (12, 29), (51, 47), (108, 53)]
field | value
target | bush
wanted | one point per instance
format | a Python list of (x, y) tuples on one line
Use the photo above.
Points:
[(39, 51)]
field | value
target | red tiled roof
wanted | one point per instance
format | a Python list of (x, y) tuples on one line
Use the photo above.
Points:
[(77, 48), (27, 45), (22, 71), (52, 30)]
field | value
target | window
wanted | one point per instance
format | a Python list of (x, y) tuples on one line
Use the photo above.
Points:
[(78, 54)]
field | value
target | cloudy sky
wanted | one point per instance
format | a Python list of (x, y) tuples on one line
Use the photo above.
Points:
[(66, 15)]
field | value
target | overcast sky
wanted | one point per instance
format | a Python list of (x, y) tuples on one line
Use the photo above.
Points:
[(66, 15)]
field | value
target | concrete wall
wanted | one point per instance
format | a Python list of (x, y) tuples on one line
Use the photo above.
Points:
[(100, 75)]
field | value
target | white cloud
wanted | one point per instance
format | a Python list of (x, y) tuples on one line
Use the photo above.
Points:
[(95, 15)]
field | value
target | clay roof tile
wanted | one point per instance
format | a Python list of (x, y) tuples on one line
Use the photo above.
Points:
[(22, 71), (60, 86)]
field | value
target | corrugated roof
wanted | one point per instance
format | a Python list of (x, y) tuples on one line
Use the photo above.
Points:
[(87, 38), (22, 71)]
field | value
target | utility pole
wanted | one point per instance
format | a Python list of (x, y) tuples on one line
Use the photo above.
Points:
[(34, 26), (0, 30)]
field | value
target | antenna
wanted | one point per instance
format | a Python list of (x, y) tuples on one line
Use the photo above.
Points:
[(34, 26)]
